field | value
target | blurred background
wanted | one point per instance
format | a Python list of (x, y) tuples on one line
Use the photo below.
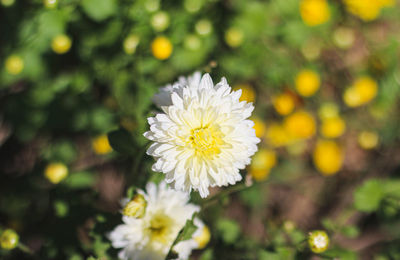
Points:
[(76, 84)]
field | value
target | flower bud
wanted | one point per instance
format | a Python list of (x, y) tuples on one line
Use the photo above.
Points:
[(136, 207), (318, 241), (203, 239), (9, 239)]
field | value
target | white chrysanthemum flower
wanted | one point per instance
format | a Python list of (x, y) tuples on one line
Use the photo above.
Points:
[(204, 137), (150, 237), (163, 98)]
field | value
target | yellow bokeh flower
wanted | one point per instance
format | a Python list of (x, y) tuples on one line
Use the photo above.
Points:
[(333, 127), (261, 164), (314, 12), (9, 239), (160, 21), (14, 64), (56, 172), (367, 10), (343, 37), (130, 43), (203, 239), (203, 27), (363, 90), (259, 126), (307, 82), (368, 139), (387, 3), (7, 3), (328, 110), (297, 147), (366, 87), (61, 44), (284, 103), (311, 49), (234, 37), (328, 157), (161, 48), (50, 4), (276, 135), (248, 93), (101, 145), (300, 125), (192, 42)]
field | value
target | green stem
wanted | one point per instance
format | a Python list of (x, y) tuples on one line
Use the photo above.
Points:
[(25, 249), (137, 165), (232, 189)]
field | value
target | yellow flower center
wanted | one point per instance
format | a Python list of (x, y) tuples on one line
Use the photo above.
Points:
[(206, 141), (160, 228)]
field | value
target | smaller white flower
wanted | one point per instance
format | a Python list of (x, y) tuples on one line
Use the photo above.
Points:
[(151, 236)]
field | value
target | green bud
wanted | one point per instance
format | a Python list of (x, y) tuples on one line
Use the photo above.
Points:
[(318, 241), (136, 207)]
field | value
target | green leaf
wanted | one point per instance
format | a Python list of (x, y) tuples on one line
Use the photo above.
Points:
[(252, 196), (63, 151), (99, 10), (207, 255), (350, 231), (100, 246), (368, 197), (130, 192), (392, 187), (122, 141), (229, 230), (60, 208), (80, 180), (187, 232), (328, 224), (341, 254), (267, 255), (297, 236), (285, 252)]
